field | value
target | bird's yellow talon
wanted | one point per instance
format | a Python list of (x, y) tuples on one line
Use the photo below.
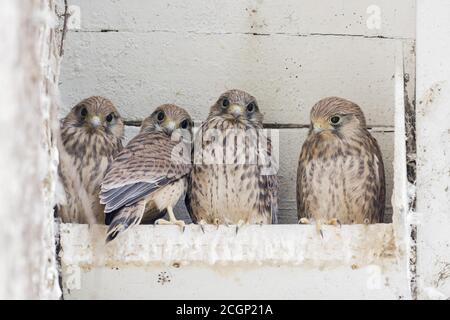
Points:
[(304, 221), (172, 220), (334, 222)]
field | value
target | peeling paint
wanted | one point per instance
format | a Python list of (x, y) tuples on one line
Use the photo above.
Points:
[(433, 143), (28, 176), (443, 274), (432, 94)]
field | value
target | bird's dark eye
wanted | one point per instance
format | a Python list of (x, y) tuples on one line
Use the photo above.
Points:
[(84, 112), (110, 117), (251, 107), (225, 102), (184, 124), (335, 119), (161, 116)]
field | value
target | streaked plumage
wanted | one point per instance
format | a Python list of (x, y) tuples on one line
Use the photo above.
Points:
[(231, 184), (149, 175), (340, 173), (91, 135)]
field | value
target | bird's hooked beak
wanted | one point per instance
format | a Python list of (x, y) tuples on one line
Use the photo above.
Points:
[(169, 126), (96, 121), (320, 125), (235, 110)]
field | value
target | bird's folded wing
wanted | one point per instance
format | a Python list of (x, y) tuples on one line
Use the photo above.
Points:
[(381, 181), (149, 162), (271, 189), (268, 164)]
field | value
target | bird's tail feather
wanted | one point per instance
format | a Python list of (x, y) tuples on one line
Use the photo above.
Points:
[(123, 219)]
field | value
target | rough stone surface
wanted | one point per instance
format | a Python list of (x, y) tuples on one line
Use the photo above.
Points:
[(432, 215), (29, 68)]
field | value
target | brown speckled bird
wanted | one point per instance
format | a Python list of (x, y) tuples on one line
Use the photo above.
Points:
[(91, 135), (340, 177), (233, 180), (149, 176)]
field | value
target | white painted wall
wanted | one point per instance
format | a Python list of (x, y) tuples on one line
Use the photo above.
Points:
[(433, 148), (29, 67)]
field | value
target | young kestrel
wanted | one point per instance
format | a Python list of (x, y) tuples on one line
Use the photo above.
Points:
[(340, 176), (233, 180), (91, 135), (150, 174)]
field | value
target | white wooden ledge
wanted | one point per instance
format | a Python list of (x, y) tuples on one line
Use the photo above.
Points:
[(142, 262), (285, 244)]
